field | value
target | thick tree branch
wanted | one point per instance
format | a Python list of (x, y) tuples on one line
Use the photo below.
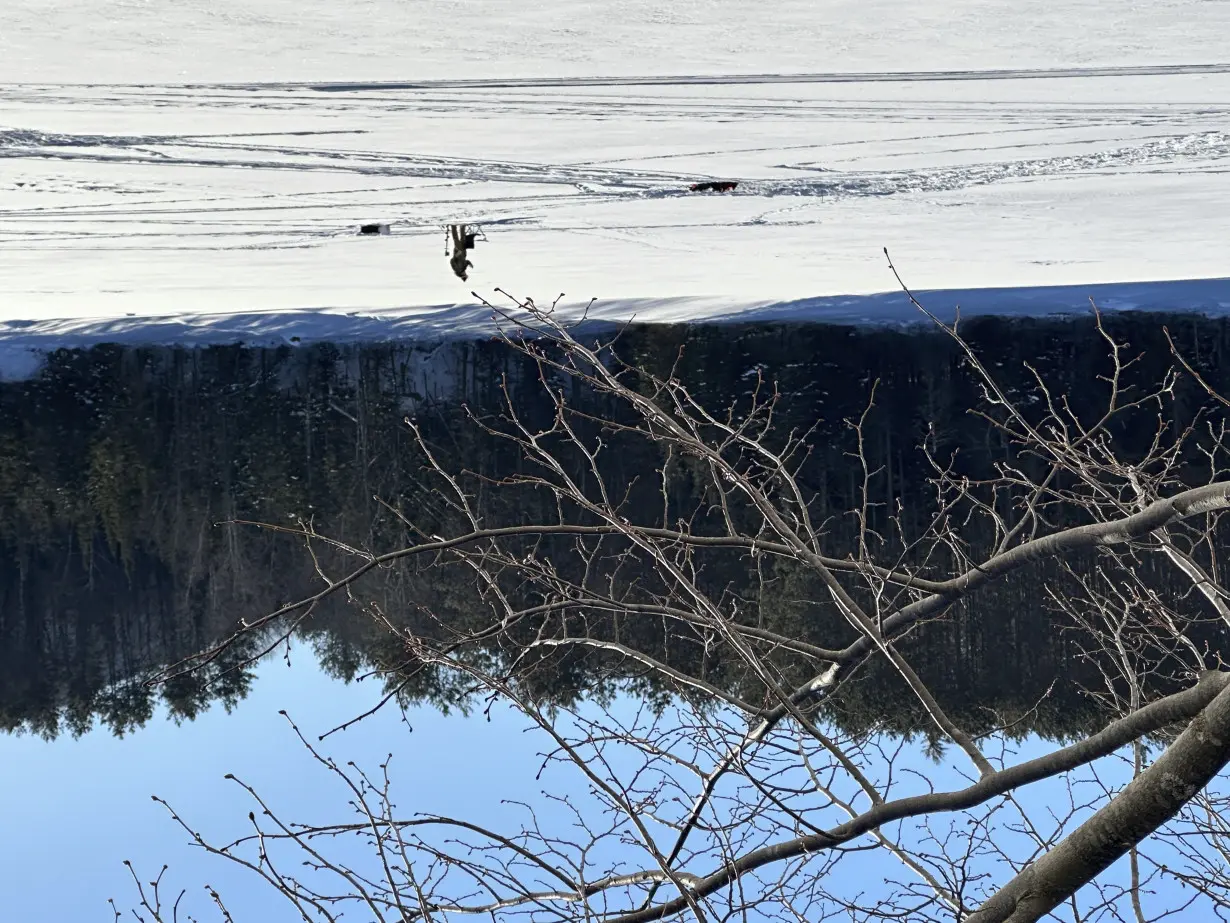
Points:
[(1207, 499), (1170, 710), (1147, 802)]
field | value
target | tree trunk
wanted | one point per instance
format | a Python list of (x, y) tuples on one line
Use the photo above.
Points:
[(1147, 802)]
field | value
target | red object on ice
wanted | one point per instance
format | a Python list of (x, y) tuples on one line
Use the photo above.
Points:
[(717, 185)]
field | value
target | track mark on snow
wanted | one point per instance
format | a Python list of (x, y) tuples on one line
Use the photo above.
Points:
[(1041, 73)]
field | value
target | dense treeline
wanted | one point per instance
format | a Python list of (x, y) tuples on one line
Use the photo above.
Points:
[(120, 467)]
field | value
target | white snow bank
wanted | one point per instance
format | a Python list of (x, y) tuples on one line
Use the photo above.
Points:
[(23, 343)]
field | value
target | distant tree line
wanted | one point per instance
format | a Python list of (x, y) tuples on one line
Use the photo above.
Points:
[(117, 465)]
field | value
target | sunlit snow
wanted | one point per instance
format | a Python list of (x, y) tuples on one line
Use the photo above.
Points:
[(177, 171)]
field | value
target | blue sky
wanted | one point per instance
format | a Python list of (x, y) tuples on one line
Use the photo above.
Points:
[(73, 810)]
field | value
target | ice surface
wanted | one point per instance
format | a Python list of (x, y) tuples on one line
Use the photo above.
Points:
[(166, 41), (178, 170)]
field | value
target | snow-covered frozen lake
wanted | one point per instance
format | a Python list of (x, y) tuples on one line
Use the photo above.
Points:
[(208, 165), (195, 170)]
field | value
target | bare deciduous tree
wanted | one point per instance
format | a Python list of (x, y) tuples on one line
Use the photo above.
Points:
[(742, 799)]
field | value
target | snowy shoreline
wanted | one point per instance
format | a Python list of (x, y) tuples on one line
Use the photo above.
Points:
[(24, 343)]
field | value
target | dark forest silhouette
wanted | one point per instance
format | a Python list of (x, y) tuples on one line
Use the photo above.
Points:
[(117, 464)]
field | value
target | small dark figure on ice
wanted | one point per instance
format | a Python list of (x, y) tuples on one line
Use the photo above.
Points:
[(717, 185), (462, 242)]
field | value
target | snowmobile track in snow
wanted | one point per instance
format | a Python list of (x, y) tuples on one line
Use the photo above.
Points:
[(682, 80), (1042, 73)]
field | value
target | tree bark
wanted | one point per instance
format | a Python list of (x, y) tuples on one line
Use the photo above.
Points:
[(1147, 802)]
